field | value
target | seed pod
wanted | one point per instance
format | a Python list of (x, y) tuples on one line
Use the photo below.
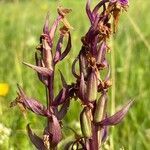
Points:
[(85, 121), (83, 64), (100, 108), (82, 88), (92, 86), (101, 53)]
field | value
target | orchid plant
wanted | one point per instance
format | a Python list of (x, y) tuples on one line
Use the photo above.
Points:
[(90, 87)]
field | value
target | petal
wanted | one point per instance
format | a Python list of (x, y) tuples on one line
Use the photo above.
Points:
[(54, 27), (37, 141), (42, 70), (63, 110), (55, 130), (61, 97), (68, 47), (31, 104), (88, 11), (97, 7), (46, 25), (117, 117), (73, 68), (58, 49), (42, 78)]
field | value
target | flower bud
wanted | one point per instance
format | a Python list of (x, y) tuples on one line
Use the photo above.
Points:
[(92, 86), (85, 121), (100, 107)]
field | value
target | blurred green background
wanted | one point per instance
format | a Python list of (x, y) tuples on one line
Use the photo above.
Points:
[(21, 24)]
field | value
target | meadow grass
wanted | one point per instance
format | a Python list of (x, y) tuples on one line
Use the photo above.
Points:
[(20, 26)]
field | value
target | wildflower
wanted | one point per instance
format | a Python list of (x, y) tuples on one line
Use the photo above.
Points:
[(4, 88)]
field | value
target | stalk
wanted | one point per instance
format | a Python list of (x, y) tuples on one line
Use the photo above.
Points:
[(113, 89)]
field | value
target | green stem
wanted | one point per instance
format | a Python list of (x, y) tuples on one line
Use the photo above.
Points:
[(113, 89)]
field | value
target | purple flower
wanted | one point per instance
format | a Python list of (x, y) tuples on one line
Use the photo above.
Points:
[(122, 2)]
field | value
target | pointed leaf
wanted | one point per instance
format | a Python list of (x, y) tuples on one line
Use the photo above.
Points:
[(101, 52), (117, 117), (37, 141), (42, 70)]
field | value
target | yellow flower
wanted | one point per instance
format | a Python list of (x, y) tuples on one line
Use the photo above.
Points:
[(4, 87)]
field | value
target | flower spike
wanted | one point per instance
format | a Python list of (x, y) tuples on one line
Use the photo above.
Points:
[(92, 73)]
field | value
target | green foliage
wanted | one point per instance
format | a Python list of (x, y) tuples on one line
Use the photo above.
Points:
[(20, 26)]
